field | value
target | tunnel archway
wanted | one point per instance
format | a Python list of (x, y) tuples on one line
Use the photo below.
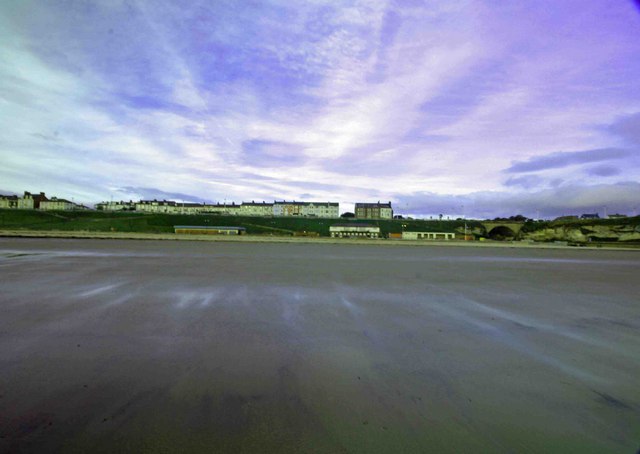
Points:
[(501, 233)]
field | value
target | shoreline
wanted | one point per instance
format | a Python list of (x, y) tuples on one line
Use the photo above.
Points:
[(61, 234)]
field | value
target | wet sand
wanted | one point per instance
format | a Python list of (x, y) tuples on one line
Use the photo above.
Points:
[(151, 346)]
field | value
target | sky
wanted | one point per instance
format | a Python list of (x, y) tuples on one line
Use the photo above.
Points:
[(464, 108)]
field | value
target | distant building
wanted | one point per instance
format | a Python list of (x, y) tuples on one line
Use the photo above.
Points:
[(190, 208), (374, 210), (228, 209), (590, 216), (156, 206), (58, 204), (428, 236), (303, 209), (116, 206), (208, 230), (256, 209), (307, 209), (617, 216), (9, 201), (27, 202), (31, 201), (354, 231)]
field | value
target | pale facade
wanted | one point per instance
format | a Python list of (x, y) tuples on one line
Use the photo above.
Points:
[(27, 202), (57, 204), (222, 209), (116, 206), (428, 236), (188, 208), (303, 209), (156, 206), (256, 209), (307, 209), (8, 201), (208, 230), (354, 231)]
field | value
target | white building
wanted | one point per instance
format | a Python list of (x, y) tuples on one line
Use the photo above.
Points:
[(354, 231), (116, 206), (189, 208), (8, 201), (230, 209), (156, 206), (304, 209), (428, 236), (27, 202), (307, 209), (256, 209), (55, 203), (208, 230)]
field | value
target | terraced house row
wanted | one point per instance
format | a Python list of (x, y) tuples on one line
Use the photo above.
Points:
[(303, 209), (283, 208)]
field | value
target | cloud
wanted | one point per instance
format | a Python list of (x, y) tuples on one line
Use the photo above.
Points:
[(564, 159), (158, 194), (628, 127), (49, 137), (525, 181), (267, 153), (603, 171), (549, 203)]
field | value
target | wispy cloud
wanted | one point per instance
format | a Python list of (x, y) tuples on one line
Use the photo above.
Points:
[(564, 159), (157, 194), (603, 171), (628, 127)]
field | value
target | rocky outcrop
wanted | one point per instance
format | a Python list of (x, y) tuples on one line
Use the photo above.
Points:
[(585, 233)]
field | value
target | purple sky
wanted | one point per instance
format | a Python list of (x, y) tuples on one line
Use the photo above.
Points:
[(474, 108)]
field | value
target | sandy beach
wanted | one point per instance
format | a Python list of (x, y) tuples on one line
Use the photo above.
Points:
[(188, 346)]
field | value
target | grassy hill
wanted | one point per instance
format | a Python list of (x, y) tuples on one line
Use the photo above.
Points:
[(163, 223)]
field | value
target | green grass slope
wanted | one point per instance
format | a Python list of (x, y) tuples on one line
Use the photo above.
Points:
[(163, 223)]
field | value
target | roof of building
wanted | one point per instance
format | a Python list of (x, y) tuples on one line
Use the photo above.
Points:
[(9, 197), (163, 202), (260, 204), (221, 205), (307, 203), (55, 199), (36, 197)]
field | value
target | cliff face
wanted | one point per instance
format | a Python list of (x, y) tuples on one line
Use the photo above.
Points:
[(585, 233)]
